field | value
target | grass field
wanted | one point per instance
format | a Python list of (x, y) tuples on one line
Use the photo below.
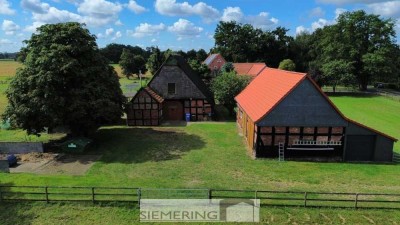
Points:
[(8, 68), (83, 214)]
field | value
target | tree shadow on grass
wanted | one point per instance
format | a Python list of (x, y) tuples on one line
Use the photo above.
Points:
[(12, 212), (138, 145)]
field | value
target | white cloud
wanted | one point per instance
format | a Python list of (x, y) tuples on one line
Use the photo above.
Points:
[(232, 14), (117, 35), (6, 8), (9, 27), (173, 8), (134, 7), (109, 31), (32, 28), (54, 15), (301, 29), (118, 23), (145, 29), (320, 23), (388, 9), (153, 40), (316, 12), (36, 6), (43, 13), (262, 20), (339, 11), (99, 12), (184, 28), (5, 42)]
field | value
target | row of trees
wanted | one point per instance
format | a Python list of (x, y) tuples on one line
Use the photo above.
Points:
[(358, 50), (135, 61)]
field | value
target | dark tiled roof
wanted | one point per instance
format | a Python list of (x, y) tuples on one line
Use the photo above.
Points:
[(193, 76)]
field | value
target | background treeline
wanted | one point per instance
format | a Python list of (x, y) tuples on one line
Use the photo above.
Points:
[(114, 51), (359, 49)]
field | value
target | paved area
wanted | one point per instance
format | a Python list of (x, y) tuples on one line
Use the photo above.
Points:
[(60, 164)]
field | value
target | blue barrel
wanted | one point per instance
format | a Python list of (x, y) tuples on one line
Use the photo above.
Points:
[(12, 160), (187, 117)]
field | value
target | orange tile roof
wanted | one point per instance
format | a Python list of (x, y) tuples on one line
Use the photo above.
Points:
[(252, 69), (267, 90)]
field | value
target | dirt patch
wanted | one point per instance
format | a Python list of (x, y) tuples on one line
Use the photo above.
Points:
[(48, 163), (69, 164)]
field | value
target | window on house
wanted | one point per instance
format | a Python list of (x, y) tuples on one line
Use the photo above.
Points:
[(171, 88)]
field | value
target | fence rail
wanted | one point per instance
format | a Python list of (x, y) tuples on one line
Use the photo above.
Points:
[(133, 195)]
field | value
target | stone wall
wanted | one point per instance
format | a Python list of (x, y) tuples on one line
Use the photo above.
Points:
[(20, 147)]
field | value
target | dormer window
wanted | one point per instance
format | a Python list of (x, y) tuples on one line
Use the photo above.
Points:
[(171, 88)]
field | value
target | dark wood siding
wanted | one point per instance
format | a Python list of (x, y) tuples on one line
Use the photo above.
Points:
[(144, 110)]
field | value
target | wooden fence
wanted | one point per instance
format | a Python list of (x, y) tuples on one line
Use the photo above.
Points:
[(133, 195)]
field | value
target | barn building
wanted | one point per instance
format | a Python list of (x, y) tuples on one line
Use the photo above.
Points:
[(214, 62), (174, 92), (285, 114)]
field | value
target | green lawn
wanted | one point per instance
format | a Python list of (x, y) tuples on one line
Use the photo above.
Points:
[(208, 155), (85, 214)]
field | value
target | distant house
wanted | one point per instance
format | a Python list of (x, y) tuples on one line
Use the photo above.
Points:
[(285, 114), (214, 62), (174, 91), (249, 69)]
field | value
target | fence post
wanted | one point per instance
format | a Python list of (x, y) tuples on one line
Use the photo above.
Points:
[(47, 194), (255, 195), (209, 194), (139, 194), (356, 201), (1, 194), (93, 200), (305, 199)]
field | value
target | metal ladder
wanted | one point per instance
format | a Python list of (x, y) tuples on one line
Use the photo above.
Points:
[(281, 146)]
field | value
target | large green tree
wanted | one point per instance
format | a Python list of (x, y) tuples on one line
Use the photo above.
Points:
[(132, 64), (362, 42), (226, 86), (244, 43), (65, 81)]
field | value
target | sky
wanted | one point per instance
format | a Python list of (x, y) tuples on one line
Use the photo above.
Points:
[(175, 24)]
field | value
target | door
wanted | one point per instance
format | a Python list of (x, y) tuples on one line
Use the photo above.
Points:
[(360, 147), (173, 110)]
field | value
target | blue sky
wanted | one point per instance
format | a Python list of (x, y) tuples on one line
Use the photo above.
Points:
[(174, 24)]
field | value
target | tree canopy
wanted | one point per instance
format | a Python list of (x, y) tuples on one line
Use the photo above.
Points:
[(65, 81), (244, 43), (226, 86), (287, 64), (361, 44), (132, 64)]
